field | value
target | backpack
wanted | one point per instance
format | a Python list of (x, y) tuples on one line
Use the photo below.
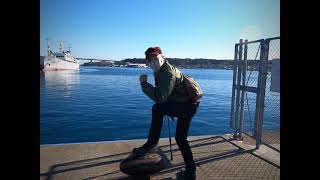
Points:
[(193, 88)]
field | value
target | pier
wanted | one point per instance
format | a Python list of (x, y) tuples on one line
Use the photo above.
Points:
[(216, 157)]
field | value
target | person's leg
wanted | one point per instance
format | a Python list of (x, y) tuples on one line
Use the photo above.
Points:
[(171, 109), (183, 126), (158, 112)]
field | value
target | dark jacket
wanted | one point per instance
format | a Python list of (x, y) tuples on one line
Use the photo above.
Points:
[(169, 86)]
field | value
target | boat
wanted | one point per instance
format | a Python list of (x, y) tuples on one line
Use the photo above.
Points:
[(62, 60)]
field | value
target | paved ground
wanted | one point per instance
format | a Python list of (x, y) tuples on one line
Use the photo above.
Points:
[(217, 157)]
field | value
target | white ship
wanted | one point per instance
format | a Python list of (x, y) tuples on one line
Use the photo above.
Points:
[(62, 60)]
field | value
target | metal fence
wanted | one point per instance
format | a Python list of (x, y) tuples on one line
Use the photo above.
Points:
[(255, 108)]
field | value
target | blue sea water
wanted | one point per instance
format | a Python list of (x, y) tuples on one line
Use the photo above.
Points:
[(106, 104)]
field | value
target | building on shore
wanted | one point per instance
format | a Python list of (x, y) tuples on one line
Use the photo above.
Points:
[(138, 65)]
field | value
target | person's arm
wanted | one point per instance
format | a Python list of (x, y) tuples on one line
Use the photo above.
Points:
[(160, 93), (149, 90)]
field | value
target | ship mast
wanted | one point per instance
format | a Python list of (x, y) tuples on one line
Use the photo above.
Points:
[(69, 48), (61, 46), (48, 46)]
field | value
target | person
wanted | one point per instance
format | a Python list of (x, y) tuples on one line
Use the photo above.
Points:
[(171, 98)]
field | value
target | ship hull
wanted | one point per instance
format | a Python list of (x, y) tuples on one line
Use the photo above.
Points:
[(55, 64)]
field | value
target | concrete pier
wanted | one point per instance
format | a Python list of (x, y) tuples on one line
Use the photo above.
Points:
[(216, 157)]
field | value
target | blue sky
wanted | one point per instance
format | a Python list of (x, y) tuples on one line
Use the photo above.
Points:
[(119, 29)]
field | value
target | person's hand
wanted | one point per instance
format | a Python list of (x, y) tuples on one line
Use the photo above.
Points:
[(143, 78)]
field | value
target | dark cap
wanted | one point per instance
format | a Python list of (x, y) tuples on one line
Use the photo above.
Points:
[(152, 51)]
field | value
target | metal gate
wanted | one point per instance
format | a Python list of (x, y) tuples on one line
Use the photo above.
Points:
[(255, 107)]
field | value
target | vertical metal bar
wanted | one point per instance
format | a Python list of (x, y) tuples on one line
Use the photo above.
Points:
[(244, 76), (238, 88), (169, 137), (256, 122), (261, 91), (263, 81), (235, 64)]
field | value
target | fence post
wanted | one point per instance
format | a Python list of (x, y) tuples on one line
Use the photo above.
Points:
[(236, 135), (261, 91), (235, 65), (244, 76)]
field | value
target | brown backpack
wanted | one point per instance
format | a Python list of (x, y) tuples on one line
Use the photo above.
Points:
[(193, 88)]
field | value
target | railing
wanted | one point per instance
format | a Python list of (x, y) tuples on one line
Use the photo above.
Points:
[(255, 108)]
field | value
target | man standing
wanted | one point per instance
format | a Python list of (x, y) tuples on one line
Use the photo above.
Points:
[(171, 98)]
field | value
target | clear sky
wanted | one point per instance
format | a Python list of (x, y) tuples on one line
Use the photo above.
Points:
[(119, 29)]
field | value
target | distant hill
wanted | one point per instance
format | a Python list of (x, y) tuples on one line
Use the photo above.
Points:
[(184, 63), (193, 63)]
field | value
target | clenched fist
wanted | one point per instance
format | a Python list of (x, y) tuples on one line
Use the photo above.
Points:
[(143, 78)]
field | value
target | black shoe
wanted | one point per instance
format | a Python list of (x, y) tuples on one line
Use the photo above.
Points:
[(141, 151), (187, 174)]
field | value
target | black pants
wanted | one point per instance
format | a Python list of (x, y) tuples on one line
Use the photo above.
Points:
[(185, 113)]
